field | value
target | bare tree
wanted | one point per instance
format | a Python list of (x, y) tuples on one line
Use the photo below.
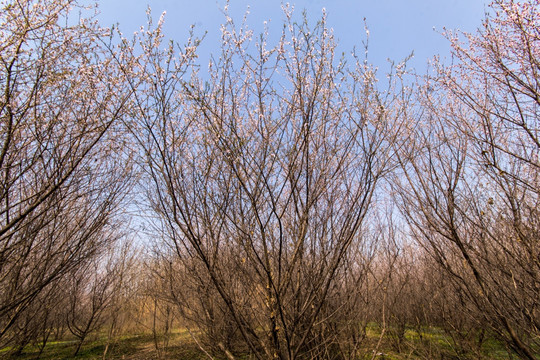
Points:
[(472, 188), (263, 174), (94, 292), (60, 175)]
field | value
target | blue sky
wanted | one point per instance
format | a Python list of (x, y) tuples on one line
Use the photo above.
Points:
[(397, 27)]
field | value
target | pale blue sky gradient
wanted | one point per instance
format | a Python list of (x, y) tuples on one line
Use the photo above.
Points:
[(397, 27)]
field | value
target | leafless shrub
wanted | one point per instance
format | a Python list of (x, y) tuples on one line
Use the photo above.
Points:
[(471, 191)]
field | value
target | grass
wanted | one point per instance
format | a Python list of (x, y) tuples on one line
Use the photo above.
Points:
[(431, 343), (132, 347)]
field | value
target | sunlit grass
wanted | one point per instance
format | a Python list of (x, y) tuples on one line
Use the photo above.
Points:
[(422, 343)]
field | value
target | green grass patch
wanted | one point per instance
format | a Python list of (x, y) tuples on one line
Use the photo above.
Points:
[(425, 343)]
